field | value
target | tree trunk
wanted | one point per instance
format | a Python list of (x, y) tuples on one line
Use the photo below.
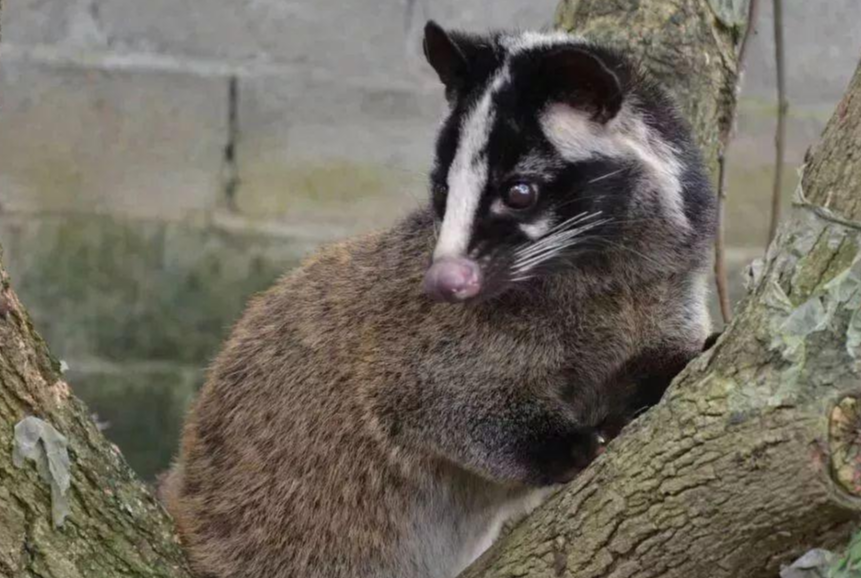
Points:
[(115, 527), (753, 455)]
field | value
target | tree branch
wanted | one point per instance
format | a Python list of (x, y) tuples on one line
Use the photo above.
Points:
[(720, 241), (782, 111), (116, 528)]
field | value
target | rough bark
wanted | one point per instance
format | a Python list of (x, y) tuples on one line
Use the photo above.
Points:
[(115, 528), (753, 455)]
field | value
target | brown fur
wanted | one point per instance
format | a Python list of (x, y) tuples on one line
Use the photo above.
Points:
[(353, 428)]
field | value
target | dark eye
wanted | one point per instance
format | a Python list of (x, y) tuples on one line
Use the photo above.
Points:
[(520, 196)]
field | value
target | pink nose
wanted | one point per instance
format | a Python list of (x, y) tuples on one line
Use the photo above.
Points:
[(453, 279)]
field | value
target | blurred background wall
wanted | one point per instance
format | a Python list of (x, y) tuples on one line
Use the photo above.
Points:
[(161, 161)]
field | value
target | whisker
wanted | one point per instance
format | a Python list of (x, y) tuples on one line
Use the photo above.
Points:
[(552, 235), (640, 220), (641, 410), (529, 260), (550, 244), (524, 266), (556, 238), (607, 176), (549, 253), (582, 197), (575, 219)]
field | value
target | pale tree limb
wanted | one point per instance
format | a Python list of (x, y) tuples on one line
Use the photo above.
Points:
[(782, 112)]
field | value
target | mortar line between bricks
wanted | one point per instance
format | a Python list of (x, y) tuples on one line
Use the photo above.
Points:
[(134, 61), (110, 367), (223, 222)]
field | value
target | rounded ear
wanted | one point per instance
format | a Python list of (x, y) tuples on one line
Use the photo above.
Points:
[(444, 55), (581, 80)]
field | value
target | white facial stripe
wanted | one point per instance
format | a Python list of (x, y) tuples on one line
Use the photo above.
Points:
[(466, 180), (467, 175), (578, 138)]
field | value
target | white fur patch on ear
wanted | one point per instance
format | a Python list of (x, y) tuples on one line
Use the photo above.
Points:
[(578, 138)]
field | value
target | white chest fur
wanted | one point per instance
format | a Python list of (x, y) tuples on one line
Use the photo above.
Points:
[(453, 530)]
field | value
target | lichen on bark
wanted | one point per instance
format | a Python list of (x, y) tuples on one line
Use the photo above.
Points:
[(115, 527)]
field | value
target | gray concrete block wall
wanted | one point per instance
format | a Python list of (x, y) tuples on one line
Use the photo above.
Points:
[(79, 138), (361, 38), (335, 111), (162, 160), (823, 47), (351, 156)]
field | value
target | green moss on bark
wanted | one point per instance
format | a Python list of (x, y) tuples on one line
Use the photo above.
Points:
[(116, 528)]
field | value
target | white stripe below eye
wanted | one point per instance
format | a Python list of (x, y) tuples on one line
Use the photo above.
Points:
[(537, 229), (467, 175)]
